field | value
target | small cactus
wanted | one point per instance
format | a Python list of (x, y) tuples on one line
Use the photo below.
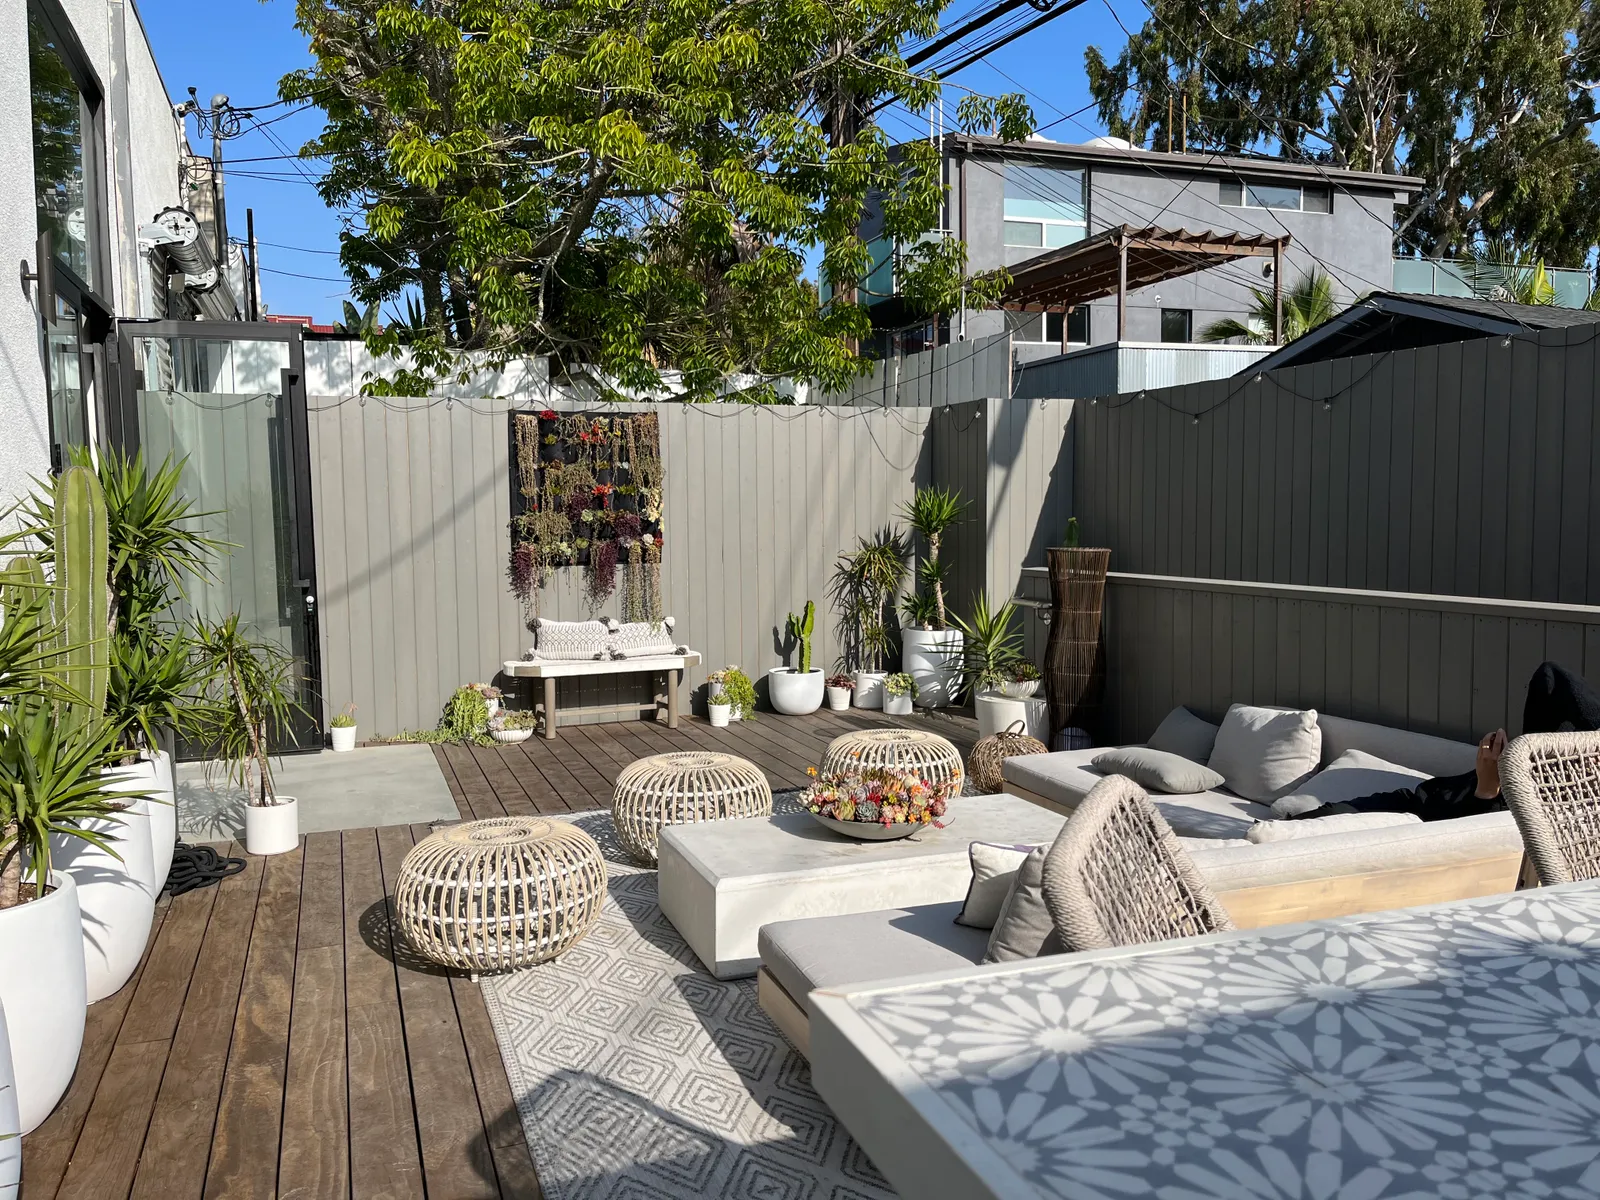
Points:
[(1071, 539), (81, 559), (800, 629)]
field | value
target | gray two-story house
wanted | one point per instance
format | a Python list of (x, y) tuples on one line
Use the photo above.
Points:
[(1013, 201)]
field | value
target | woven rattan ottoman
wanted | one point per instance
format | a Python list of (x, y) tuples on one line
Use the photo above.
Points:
[(932, 757), (499, 894), (681, 789)]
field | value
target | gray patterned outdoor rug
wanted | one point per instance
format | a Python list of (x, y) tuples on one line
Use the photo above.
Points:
[(638, 1075)]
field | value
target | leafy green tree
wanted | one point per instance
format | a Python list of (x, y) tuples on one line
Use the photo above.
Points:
[(1306, 305), (629, 184), (1490, 102)]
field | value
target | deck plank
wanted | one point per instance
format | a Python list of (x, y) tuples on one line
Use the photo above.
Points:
[(456, 794), (315, 1159), (177, 1145), (245, 1146)]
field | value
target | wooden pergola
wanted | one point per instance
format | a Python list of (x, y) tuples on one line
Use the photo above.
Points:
[(1123, 257)]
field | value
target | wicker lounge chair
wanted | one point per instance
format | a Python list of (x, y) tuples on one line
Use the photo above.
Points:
[(1118, 876), (1551, 783)]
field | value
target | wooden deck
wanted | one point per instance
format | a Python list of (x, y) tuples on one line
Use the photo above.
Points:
[(277, 1042)]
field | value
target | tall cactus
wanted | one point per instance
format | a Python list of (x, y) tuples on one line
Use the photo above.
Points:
[(81, 556), (800, 629)]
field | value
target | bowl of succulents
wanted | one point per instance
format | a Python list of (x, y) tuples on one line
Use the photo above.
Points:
[(1022, 679), (875, 804), (512, 725)]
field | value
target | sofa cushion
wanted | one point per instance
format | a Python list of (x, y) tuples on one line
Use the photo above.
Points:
[(1181, 732), (1265, 753), (1063, 777), (994, 869), (1158, 771), (1432, 756), (1288, 831), (569, 641), (1024, 928), (1352, 775), (856, 948)]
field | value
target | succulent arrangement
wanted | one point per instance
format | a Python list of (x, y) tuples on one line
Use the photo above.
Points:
[(346, 719), (589, 493), (514, 718), (900, 684), (876, 795), (732, 686), (841, 681)]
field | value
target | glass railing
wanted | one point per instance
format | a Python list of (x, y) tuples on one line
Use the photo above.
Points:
[(1455, 277)]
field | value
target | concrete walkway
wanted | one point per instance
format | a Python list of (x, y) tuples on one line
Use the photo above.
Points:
[(369, 787)]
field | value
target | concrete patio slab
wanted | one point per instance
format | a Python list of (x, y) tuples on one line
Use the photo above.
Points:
[(369, 787)]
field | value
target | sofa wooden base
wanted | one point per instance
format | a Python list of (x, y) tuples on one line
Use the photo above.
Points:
[(788, 1016)]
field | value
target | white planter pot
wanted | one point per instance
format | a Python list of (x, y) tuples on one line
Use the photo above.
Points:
[(869, 688), (272, 828), (163, 819), (42, 992), (510, 737), (116, 895), (794, 692), (10, 1120), (839, 698), (720, 713), (1019, 689), (343, 738), (996, 713), (897, 706), (493, 705), (933, 658)]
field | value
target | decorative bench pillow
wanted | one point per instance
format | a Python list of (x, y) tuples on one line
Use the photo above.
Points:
[(1158, 771), (1183, 733), (643, 639), (569, 641)]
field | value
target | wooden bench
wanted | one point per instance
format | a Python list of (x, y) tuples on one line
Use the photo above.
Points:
[(550, 670)]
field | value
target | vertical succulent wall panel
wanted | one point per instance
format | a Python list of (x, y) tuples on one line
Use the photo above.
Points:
[(589, 494)]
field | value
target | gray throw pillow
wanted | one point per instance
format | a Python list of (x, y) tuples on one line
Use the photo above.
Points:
[(1024, 928), (1181, 732), (1351, 776), (1158, 771), (1264, 753), (994, 870)]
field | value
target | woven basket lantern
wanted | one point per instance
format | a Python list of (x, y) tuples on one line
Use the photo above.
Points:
[(986, 757), (499, 894), (933, 758), (681, 789)]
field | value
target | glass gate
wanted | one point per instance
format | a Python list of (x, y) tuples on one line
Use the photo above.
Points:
[(229, 400)]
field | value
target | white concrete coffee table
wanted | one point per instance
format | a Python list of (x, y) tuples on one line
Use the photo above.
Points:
[(721, 881)]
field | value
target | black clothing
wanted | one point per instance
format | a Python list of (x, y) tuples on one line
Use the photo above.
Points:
[(1558, 702)]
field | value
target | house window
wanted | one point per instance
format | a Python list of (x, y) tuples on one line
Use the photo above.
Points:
[(1177, 325), (1317, 198), (1044, 329), (64, 183), (879, 283), (1044, 206)]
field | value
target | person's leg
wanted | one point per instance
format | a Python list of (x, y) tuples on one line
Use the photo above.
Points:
[(1440, 799), (1559, 702)]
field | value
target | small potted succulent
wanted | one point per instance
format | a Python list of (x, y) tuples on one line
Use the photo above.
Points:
[(342, 729), (513, 725), (899, 690), (491, 695), (839, 688), (731, 690), (1022, 679)]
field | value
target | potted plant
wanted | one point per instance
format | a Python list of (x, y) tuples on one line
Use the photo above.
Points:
[(839, 688), (342, 729), (991, 642), (1022, 679), (899, 690), (874, 803), (732, 686), (250, 687), (511, 726), (798, 691), (720, 709), (491, 696), (930, 649), (863, 589)]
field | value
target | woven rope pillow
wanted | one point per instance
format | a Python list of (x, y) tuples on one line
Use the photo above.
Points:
[(569, 641), (642, 639)]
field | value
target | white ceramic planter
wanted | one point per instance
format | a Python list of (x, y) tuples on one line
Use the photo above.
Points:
[(869, 688), (272, 828), (997, 712), (1019, 689), (116, 892), (343, 738), (795, 693), (839, 698), (510, 737), (163, 818), (493, 704), (720, 713), (897, 706), (933, 658), (44, 997), (10, 1120)]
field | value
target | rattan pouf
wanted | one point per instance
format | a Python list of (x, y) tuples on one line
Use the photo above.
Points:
[(680, 789), (986, 757), (932, 757), (498, 894)]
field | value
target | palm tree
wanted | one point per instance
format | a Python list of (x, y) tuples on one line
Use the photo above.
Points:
[(1305, 306)]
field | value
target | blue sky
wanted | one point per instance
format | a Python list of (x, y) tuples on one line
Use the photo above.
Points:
[(242, 48)]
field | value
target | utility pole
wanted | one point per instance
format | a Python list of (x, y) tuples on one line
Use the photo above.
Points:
[(252, 281), (219, 105)]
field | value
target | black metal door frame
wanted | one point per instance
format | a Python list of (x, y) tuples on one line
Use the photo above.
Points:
[(124, 434)]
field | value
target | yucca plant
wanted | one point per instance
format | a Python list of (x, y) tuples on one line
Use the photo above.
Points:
[(862, 591), (249, 693), (991, 642), (932, 512)]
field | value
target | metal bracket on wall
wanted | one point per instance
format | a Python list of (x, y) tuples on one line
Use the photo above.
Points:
[(1041, 608)]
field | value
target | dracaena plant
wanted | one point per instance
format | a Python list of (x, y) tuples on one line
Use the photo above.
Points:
[(249, 695), (932, 512)]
